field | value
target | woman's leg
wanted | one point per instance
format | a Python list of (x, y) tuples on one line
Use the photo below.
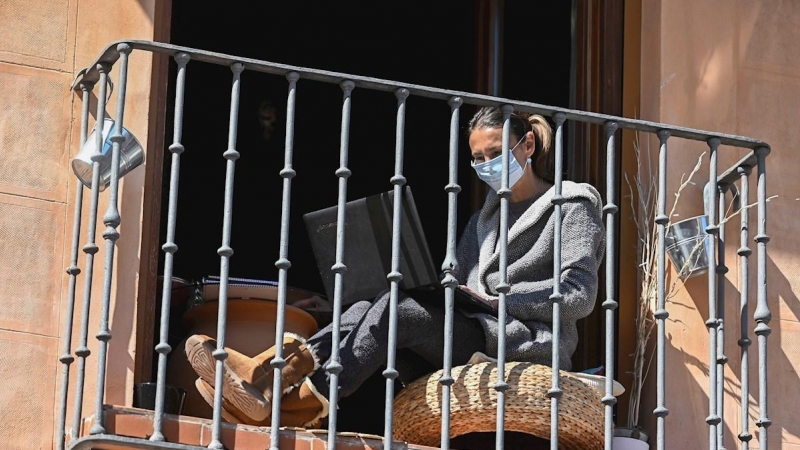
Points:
[(320, 342), (420, 328)]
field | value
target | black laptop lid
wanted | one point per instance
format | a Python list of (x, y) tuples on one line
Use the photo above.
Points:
[(368, 246)]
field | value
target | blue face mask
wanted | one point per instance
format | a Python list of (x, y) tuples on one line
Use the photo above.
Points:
[(491, 171)]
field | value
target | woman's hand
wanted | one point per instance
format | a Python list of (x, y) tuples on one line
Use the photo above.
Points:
[(489, 301)]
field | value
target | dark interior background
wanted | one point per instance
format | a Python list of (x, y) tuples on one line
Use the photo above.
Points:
[(429, 43), (411, 41)]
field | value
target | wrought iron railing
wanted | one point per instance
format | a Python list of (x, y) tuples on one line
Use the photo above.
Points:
[(97, 76)]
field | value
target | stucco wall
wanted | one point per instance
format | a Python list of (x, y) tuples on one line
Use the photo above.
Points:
[(734, 67), (42, 45)]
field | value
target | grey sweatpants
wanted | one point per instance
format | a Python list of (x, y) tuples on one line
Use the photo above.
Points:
[(365, 339)]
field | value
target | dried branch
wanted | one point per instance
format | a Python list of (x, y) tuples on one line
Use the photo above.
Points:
[(648, 246)]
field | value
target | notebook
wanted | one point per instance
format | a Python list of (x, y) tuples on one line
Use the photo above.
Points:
[(368, 252)]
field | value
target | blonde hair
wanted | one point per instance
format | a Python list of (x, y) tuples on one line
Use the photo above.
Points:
[(543, 160)]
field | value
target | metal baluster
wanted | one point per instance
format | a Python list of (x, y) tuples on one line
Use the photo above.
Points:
[(722, 359), (334, 366), (83, 352), (555, 391), (502, 287), (712, 230), (163, 348), (661, 313), (73, 270), (395, 276), (225, 252), (610, 304), (449, 266), (744, 253), (762, 314), (111, 219), (283, 264)]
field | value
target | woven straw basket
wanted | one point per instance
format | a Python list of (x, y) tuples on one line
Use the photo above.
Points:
[(473, 406)]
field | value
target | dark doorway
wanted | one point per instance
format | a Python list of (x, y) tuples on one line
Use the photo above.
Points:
[(422, 43), (427, 43), (417, 42)]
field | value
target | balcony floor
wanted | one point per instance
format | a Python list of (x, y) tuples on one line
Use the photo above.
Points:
[(138, 423)]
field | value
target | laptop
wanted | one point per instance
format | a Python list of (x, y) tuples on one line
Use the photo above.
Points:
[(368, 252)]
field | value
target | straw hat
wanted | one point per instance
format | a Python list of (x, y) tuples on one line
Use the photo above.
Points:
[(473, 406)]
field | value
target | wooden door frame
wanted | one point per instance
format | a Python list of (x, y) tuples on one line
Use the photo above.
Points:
[(607, 80), (151, 212), (597, 68), (596, 75)]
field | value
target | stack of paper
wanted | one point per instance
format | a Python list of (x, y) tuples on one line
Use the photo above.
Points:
[(240, 288)]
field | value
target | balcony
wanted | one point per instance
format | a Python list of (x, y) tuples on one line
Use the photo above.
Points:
[(119, 426)]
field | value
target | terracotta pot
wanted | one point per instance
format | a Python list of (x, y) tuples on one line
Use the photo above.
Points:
[(250, 330)]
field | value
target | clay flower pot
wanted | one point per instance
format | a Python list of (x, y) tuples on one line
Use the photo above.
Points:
[(250, 330)]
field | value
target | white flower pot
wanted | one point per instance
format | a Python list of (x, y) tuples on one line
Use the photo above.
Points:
[(627, 443), (630, 439)]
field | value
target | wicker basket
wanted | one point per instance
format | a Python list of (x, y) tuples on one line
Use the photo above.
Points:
[(473, 406)]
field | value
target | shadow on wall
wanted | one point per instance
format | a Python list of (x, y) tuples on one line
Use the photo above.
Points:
[(148, 6), (688, 386)]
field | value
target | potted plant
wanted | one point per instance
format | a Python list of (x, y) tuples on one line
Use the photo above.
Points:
[(643, 194)]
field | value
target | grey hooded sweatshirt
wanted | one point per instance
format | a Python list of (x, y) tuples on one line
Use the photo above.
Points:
[(530, 270)]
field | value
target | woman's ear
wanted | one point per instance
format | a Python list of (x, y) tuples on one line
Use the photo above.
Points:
[(530, 144)]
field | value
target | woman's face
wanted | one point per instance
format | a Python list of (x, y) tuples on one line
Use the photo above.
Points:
[(487, 143)]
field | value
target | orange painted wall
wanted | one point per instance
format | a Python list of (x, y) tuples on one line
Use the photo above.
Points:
[(42, 45), (733, 67)]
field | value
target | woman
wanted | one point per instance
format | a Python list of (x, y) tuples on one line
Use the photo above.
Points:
[(247, 386)]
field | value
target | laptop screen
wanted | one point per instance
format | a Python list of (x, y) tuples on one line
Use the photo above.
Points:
[(368, 246)]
